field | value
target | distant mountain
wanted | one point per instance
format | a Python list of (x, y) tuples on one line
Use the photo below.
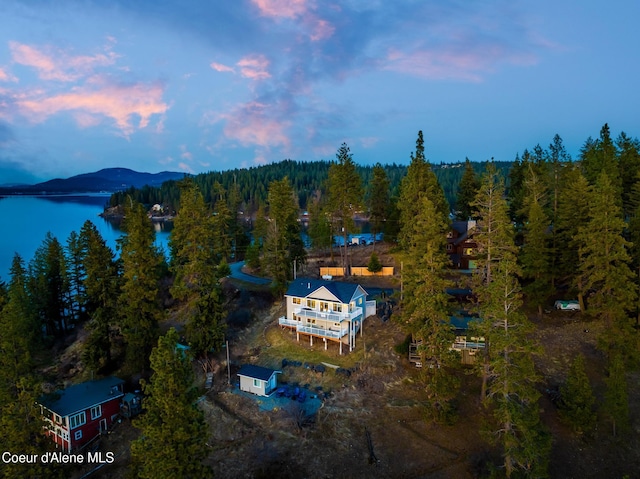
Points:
[(108, 179)]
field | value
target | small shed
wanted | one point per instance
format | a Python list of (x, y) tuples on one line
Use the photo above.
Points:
[(257, 379)]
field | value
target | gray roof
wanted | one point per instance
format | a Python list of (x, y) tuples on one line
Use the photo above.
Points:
[(305, 287), (80, 397), (256, 372)]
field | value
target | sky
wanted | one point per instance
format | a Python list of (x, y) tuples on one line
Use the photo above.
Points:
[(197, 86)]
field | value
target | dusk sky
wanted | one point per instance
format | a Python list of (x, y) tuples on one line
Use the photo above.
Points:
[(196, 86)]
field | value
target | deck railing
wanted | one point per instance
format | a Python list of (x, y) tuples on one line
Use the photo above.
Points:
[(334, 317)]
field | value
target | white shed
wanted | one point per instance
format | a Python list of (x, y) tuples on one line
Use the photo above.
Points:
[(258, 380)]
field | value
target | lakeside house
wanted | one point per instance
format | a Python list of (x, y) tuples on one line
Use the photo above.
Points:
[(78, 414), (327, 310)]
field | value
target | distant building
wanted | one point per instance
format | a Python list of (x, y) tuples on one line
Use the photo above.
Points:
[(78, 414), (461, 247)]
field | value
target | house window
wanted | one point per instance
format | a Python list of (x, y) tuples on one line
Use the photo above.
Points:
[(256, 383), (467, 251), (296, 301), (78, 419), (449, 247), (57, 418), (324, 306), (337, 307), (96, 411), (311, 303), (77, 435)]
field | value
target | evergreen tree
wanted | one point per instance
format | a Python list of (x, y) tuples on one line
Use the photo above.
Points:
[(628, 152), (193, 255), (577, 398), (173, 431), (378, 201), (345, 196), (102, 288), (75, 251), (535, 254), (425, 308), (140, 306), (282, 247), (616, 401), (573, 211), (604, 273), (374, 265), (507, 369), (559, 160), (420, 181), (319, 227), (49, 286), (598, 156), (467, 191), (20, 423)]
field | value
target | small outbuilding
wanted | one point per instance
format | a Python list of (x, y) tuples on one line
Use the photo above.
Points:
[(258, 380)]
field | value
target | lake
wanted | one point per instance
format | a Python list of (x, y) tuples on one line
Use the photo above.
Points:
[(25, 220)]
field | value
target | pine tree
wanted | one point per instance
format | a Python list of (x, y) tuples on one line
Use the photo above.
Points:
[(616, 401), (282, 243), (49, 286), (577, 398), (378, 201), (507, 368), (598, 156), (345, 196), (559, 160), (573, 211), (101, 285), (425, 308), (535, 254), (173, 431), (420, 181), (140, 307), (467, 191), (604, 273), (193, 254)]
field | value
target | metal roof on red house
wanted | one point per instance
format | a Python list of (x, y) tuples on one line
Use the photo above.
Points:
[(80, 397)]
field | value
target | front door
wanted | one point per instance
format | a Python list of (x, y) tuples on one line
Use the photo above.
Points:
[(103, 425)]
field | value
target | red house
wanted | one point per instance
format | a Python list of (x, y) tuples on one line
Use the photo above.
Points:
[(78, 414)]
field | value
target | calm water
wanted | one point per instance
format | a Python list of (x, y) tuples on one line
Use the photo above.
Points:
[(25, 220)]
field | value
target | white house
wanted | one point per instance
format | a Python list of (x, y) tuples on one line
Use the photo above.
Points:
[(328, 310), (258, 380)]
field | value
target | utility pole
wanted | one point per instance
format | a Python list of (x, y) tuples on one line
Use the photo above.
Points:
[(228, 364)]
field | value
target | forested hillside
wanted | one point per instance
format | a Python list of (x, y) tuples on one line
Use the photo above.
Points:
[(308, 180)]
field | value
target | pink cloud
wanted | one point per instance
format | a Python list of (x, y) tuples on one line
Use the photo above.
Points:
[(219, 67), (184, 167), (281, 8), (251, 125), (254, 67), (6, 76), (321, 30), (58, 65), (117, 102)]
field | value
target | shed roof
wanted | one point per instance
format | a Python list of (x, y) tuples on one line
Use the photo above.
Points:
[(256, 372), (82, 396), (305, 287)]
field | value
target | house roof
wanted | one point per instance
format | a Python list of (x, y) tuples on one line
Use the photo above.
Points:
[(256, 372), (82, 396), (306, 287)]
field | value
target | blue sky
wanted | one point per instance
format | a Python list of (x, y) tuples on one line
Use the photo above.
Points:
[(197, 86)]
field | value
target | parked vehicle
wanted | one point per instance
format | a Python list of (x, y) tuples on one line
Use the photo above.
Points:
[(567, 305)]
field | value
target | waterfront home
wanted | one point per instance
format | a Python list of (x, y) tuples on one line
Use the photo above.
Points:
[(327, 310), (78, 414)]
